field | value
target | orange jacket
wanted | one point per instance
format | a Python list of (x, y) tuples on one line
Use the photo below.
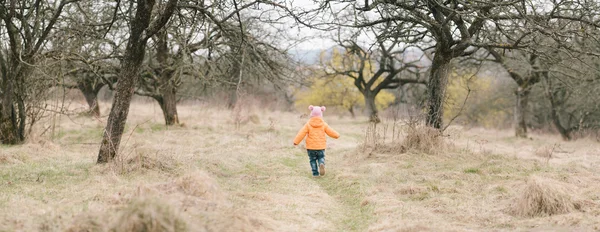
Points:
[(316, 129)]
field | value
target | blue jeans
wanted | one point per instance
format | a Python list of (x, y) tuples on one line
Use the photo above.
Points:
[(316, 156)]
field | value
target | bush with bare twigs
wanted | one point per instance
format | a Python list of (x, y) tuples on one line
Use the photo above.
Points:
[(149, 215), (424, 139), (545, 152), (543, 197)]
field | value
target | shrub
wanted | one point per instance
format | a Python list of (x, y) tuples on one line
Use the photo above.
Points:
[(149, 215), (424, 139), (543, 197)]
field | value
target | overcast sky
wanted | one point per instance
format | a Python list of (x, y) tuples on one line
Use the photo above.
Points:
[(315, 39)]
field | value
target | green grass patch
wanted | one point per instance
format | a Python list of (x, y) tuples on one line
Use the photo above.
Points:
[(350, 193), (48, 175), (82, 135), (472, 170), (154, 127), (292, 163)]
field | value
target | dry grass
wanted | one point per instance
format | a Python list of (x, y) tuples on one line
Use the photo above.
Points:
[(87, 223), (144, 162), (149, 215), (217, 177), (423, 139), (199, 184), (545, 152), (543, 197)]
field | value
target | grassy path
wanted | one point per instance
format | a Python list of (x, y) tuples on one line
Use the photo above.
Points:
[(354, 215)]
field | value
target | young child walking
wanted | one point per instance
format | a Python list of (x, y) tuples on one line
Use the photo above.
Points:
[(316, 141)]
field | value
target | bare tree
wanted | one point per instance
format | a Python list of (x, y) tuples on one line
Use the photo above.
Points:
[(149, 19), (375, 70), (523, 70), (571, 81), (450, 29), (88, 49), (24, 30), (221, 42), (532, 60)]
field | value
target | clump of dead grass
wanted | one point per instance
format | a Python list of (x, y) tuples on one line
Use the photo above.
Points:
[(543, 197), (149, 215), (4, 158), (545, 152), (424, 139), (143, 162), (375, 140), (12, 156), (87, 223), (199, 184)]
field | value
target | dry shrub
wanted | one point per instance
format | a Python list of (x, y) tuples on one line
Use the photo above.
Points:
[(199, 184), (143, 162), (12, 157), (545, 152), (87, 223), (375, 140), (149, 215), (424, 139), (3, 158), (372, 138), (543, 197)]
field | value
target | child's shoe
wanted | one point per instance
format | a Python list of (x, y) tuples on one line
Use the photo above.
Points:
[(322, 169)]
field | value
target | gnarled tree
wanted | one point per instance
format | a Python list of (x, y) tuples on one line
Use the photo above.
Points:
[(375, 70), (149, 19), (24, 29)]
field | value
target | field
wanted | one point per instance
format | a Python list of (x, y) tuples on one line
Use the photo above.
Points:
[(211, 175)]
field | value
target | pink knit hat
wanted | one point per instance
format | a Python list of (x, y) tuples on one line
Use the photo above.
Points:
[(316, 111)]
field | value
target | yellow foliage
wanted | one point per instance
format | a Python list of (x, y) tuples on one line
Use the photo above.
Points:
[(331, 91), (339, 90), (483, 107)]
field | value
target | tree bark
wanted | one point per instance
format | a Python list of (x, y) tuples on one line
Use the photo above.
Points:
[(8, 117), (522, 94), (168, 104), (436, 89), (351, 110), (90, 93), (564, 132), (233, 98), (371, 107), (13, 115), (130, 67)]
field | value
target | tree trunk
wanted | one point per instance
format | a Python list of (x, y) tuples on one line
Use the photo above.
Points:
[(564, 133), (130, 67), (120, 108), (233, 98), (436, 89), (522, 94), (168, 104), (8, 123), (351, 110), (13, 117), (371, 107), (91, 97)]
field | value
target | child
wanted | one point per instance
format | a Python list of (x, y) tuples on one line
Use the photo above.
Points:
[(316, 142)]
